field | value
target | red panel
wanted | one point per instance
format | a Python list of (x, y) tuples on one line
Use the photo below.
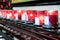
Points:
[(41, 15), (13, 14), (54, 18), (31, 15), (19, 14)]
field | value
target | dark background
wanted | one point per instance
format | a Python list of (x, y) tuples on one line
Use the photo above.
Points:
[(37, 3)]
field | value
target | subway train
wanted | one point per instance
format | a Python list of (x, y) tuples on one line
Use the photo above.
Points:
[(46, 18)]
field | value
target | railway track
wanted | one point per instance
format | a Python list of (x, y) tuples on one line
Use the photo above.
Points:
[(19, 29)]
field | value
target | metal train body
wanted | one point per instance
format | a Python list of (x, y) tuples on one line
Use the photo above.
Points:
[(40, 8), (38, 17)]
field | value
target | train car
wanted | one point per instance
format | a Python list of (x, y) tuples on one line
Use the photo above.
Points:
[(50, 19), (31, 15), (45, 18), (38, 17)]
